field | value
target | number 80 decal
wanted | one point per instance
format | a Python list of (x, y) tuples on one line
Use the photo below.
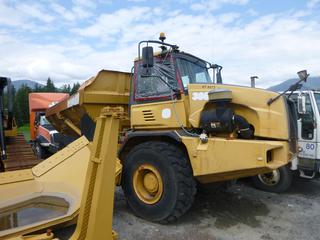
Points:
[(310, 146)]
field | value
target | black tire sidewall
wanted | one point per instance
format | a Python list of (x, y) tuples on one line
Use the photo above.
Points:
[(283, 184), (39, 151), (163, 208)]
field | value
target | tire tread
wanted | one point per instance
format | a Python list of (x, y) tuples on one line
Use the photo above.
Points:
[(184, 176)]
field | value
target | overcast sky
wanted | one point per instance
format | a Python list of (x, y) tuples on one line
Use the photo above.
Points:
[(72, 40)]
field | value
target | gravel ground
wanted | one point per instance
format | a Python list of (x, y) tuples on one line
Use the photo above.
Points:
[(239, 212)]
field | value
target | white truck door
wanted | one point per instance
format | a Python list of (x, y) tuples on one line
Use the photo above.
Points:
[(307, 133)]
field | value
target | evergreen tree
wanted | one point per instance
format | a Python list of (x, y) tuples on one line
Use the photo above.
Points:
[(38, 88), (50, 86), (75, 88), (21, 105), (66, 88)]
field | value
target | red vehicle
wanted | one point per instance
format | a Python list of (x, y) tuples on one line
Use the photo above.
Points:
[(43, 136)]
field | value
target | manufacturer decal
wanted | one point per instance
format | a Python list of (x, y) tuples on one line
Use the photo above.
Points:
[(200, 96)]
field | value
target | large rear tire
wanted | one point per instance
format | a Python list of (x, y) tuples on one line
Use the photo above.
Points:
[(158, 181), (277, 181)]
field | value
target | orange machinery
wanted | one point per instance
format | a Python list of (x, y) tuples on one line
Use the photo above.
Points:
[(41, 131)]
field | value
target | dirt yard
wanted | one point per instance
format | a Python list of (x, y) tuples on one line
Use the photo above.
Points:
[(240, 212)]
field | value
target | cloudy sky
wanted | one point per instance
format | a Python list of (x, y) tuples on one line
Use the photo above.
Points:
[(72, 40)]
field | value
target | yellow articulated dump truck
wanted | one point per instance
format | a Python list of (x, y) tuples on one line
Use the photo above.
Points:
[(168, 125), (182, 128)]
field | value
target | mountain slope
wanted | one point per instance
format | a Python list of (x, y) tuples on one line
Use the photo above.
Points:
[(31, 84), (312, 83)]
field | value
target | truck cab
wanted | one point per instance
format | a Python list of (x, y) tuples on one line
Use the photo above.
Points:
[(45, 143), (308, 104), (45, 140)]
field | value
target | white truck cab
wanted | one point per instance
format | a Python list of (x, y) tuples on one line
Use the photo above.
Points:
[(307, 162), (308, 105)]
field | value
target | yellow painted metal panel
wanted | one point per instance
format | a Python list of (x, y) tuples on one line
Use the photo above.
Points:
[(251, 103), (159, 115), (16, 176), (78, 167), (96, 213), (59, 157), (225, 156), (11, 133), (64, 178)]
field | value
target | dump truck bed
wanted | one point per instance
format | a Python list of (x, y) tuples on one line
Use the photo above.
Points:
[(107, 88)]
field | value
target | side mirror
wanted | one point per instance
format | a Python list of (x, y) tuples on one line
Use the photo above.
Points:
[(147, 57), (218, 75), (302, 104), (303, 75)]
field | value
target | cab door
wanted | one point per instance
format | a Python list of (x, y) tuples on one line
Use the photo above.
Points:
[(307, 133)]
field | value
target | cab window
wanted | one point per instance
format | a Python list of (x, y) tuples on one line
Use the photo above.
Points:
[(192, 72), (44, 121), (317, 97), (307, 119), (155, 84)]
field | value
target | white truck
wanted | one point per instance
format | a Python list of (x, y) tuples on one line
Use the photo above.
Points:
[(307, 164)]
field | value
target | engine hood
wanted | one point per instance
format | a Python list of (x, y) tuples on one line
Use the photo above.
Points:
[(251, 103)]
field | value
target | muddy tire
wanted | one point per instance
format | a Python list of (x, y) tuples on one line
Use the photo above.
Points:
[(277, 181), (39, 151), (158, 181)]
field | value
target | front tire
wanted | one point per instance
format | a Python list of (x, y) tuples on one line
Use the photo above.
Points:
[(158, 181), (277, 181), (40, 152)]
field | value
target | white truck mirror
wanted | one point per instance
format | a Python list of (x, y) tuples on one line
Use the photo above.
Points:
[(302, 104)]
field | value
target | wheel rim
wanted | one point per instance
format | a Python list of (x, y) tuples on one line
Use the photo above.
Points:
[(270, 179), (147, 184)]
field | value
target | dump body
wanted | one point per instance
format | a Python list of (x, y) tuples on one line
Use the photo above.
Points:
[(107, 88)]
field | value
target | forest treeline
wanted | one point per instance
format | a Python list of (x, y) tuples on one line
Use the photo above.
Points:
[(21, 98)]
